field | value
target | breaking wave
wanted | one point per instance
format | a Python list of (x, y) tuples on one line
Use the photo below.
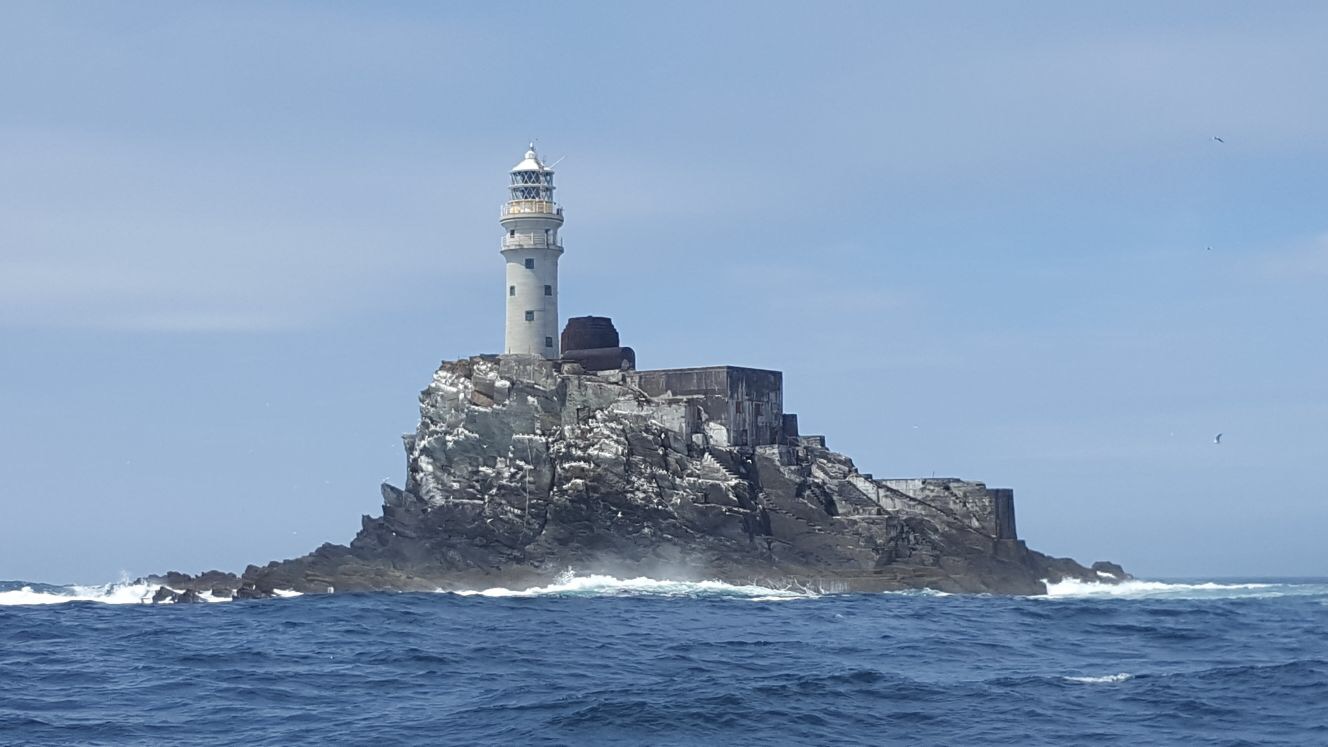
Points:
[(1107, 679), (17, 593), (106, 594), (571, 585), (1140, 589)]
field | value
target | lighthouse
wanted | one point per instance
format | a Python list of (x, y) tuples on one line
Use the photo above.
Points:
[(530, 220)]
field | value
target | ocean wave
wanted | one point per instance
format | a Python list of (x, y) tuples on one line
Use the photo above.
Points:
[(595, 585), (1141, 589), (115, 593), (1105, 679), (106, 594)]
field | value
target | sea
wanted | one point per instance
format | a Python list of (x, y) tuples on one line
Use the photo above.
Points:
[(595, 660)]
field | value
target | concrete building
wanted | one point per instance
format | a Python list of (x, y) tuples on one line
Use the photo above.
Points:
[(530, 219), (732, 406)]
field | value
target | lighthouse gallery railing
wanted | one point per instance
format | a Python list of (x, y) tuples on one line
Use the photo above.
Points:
[(526, 207)]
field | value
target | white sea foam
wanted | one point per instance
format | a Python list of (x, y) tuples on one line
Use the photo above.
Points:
[(1103, 680), (118, 593), (571, 585), (924, 592), (106, 594), (1141, 589)]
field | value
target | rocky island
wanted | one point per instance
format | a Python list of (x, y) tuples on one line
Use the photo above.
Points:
[(523, 468), (560, 455)]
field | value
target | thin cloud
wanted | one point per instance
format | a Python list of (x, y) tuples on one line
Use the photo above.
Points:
[(196, 321), (1307, 260), (97, 233)]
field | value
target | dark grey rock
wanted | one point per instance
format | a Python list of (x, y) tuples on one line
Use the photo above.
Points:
[(1111, 569), (248, 590), (518, 472)]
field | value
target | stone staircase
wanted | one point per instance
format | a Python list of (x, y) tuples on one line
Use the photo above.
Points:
[(765, 504), (713, 469)]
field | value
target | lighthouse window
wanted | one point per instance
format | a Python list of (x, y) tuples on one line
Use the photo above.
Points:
[(530, 316), (512, 232), (511, 290), (548, 290), (548, 342), (530, 264)]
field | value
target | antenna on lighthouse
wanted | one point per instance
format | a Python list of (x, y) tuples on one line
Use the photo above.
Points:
[(555, 163)]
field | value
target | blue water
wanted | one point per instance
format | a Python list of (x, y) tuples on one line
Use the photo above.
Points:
[(605, 662)]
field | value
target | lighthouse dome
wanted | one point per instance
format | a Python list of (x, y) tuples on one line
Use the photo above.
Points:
[(531, 162)]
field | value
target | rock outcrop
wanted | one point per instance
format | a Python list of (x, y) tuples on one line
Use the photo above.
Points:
[(521, 470)]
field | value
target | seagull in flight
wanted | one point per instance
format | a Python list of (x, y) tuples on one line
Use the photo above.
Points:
[(1218, 139), (1218, 439)]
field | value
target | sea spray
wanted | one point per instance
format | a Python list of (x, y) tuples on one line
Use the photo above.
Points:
[(1144, 589), (595, 585), (22, 594)]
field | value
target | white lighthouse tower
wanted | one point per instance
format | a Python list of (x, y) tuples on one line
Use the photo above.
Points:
[(530, 221)]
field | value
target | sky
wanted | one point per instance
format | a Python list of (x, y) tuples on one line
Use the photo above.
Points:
[(991, 241)]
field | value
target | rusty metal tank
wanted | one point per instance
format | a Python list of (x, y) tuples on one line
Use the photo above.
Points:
[(589, 333), (592, 342), (602, 359)]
